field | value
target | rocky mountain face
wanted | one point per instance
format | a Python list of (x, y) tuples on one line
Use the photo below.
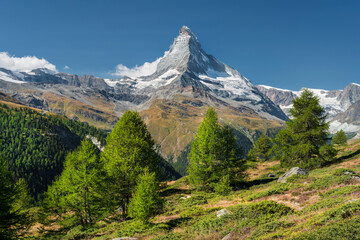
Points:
[(341, 105), (172, 94)]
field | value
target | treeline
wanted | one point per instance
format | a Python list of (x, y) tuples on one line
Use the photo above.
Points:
[(34, 145)]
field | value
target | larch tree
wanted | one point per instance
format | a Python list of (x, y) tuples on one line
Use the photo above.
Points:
[(214, 154), (145, 202), (261, 148), (303, 141), (77, 195), (129, 150)]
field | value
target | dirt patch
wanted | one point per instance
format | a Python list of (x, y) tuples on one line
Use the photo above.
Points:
[(163, 219), (349, 164), (262, 168)]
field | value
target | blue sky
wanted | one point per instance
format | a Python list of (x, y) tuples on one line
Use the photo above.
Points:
[(287, 44)]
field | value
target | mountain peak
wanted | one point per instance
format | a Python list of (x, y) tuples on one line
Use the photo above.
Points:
[(184, 30)]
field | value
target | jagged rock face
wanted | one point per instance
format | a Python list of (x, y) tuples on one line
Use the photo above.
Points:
[(349, 95), (351, 115), (278, 96)]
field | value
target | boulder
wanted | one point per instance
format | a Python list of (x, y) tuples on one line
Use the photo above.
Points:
[(222, 213), (125, 238), (230, 236), (291, 172)]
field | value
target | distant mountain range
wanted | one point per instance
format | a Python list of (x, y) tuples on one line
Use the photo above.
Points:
[(342, 106), (172, 94)]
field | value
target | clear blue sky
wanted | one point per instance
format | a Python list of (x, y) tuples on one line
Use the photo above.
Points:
[(288, 44)]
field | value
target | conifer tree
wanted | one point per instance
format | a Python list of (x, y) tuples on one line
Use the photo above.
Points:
[(261, 148), (129, 150), (339, 138), (79, 188), (146, 201), (214, 154), (7, 194), (303, 141)]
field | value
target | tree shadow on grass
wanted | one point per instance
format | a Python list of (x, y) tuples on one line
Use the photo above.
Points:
[(172, 191), (249, 184), (177, 222), (343, 158)]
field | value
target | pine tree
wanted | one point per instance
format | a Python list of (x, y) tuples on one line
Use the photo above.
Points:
[(79, 188), (146, 201), (261, 148), (339, 138), (214, 154), (129, 150), (7, 195), (299, 144)]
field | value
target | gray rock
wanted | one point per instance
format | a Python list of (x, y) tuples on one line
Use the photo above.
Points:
[(291, 172), (357, 178), (272, 175), (229, 236), (223, 212), (125, 238)]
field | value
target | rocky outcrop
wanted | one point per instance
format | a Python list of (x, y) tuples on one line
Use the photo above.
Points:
[(291, 172)]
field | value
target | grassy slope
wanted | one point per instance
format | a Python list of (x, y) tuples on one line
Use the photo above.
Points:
[(323, 205), (173, 123)]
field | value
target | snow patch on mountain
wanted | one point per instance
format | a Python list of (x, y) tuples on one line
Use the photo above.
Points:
[(6, 77), (346, 127)]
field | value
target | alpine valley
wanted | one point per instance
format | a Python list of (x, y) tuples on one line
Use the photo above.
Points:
[(172, 95)]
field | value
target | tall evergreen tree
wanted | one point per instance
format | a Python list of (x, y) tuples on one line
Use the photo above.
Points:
[(214, 153), (7, 195), (146, 201), (261, 148), (129, 150), (77, 194), (303, 141)]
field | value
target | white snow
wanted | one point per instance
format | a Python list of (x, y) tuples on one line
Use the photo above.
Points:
[(141, 83), (161, 81), (229, 81), (346, 127), (7, 78), (356, 84), (280, 89)]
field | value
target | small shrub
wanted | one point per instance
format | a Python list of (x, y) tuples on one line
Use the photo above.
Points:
[(341, 191), (348, 229), (328, 181), (269, 207), (193, 200), (192, 211), (270, 227), (341, 171), (276, 189), (326, 203)]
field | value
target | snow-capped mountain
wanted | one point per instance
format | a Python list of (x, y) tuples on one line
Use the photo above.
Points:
[(340, 105), (187, 64)]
